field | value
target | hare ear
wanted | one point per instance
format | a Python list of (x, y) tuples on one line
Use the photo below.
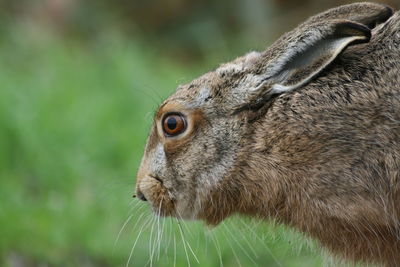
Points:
[(312, 50), (300, 55)]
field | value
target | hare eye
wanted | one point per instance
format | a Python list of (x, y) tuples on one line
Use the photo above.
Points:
[(174, 124)]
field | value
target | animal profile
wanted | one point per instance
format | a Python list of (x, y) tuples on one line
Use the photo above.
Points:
[(306, 133)]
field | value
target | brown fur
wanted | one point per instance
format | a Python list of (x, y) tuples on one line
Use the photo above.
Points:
[(323, 158)]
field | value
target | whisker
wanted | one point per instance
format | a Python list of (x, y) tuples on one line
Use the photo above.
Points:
[(184, 223), (169, 235), (216, 244), (240, 245), (136, 205), (151, 245), (159, 237), (138, 220), (162, 234), (234, 252), (184, 244), (120, 231), (136, 240), (174, 250), (246, 240), (262, 242), (190, 248), (194, 255)]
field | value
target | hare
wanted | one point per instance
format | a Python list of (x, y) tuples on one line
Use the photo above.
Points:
[(306, 133)]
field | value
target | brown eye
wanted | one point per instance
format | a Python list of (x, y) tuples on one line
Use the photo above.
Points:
[(174, 124)]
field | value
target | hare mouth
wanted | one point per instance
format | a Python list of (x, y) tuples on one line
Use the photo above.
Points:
[(161, 201), (153, 189)]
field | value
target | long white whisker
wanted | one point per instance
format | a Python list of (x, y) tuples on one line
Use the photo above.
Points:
[(138, 220), (122, 229), (194, 255), (233, 250), (190, 248), (184, 243), (184, 224), (174, 250), (136, 240), (151, 245), (240, 245), (262, 242), (169, 235), (216, 244), (135, 206), (245, 239), (158, 229), (161, 238)]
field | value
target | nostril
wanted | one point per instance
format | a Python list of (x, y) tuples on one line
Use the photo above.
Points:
[(140, 196)]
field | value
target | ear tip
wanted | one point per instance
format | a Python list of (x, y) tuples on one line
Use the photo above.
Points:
[(386, 14), (382, 13)]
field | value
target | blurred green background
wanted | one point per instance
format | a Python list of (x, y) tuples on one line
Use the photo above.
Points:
[(79, 82)]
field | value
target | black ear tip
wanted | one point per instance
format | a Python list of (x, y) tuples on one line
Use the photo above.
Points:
[(386, 14), (383, 16)]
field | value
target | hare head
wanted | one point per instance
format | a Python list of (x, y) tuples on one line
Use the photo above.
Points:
[(227, 143)]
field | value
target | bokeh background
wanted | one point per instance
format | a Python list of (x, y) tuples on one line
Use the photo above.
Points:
[(79, 82)]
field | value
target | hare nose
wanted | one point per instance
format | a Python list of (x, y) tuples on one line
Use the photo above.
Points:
[(140, 195)]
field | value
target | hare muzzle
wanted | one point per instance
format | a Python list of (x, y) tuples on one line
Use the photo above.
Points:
[(150, 188)]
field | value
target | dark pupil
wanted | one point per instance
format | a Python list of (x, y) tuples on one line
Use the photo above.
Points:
[(172, 124)]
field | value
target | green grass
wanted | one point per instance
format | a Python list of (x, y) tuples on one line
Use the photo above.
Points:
[(73, 123)]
